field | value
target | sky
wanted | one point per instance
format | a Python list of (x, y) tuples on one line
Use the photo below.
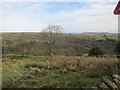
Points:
[(75, 17)]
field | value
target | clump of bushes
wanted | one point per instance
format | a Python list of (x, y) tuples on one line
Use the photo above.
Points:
[(117, 48), (95, 51)]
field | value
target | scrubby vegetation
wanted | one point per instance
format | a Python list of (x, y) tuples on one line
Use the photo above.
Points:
[(33, 60), (57, 71), (65, 44), (95, 51), (117, 48)]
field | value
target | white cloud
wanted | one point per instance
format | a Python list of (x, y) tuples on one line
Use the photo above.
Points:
[(19, 20), (20, 24), (83, 21), (0, 17), (59, 0), (7, 5), (79, 20), (35, 6)]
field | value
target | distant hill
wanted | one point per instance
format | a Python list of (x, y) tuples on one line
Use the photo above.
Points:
[(22, 34), (66, 44), (100, 34)]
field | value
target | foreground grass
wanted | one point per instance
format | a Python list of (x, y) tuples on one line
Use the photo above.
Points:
[(57, 71)]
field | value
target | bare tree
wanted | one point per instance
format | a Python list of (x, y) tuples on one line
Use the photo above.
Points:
[(51, 34)]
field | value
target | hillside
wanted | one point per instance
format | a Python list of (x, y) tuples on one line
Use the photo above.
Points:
[(66, 44), (101, 34), (27, 62)]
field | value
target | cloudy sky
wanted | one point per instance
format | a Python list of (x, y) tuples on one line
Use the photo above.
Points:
[(75, 17)]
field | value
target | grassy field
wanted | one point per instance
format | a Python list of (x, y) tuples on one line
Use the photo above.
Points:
[(26, 63), (56, 72)]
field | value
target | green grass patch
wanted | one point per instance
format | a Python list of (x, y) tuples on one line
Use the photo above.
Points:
[(55, 72)]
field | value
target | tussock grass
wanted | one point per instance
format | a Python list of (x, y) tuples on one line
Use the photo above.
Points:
[(57, 71)]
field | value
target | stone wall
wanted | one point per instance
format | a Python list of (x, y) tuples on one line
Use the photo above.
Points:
[(112, 83)]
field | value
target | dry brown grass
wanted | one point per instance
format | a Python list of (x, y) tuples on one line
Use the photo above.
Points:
[(90, 66), (44, 71)]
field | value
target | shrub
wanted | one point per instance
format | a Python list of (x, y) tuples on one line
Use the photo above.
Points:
[(117, 48), (95, 51)]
